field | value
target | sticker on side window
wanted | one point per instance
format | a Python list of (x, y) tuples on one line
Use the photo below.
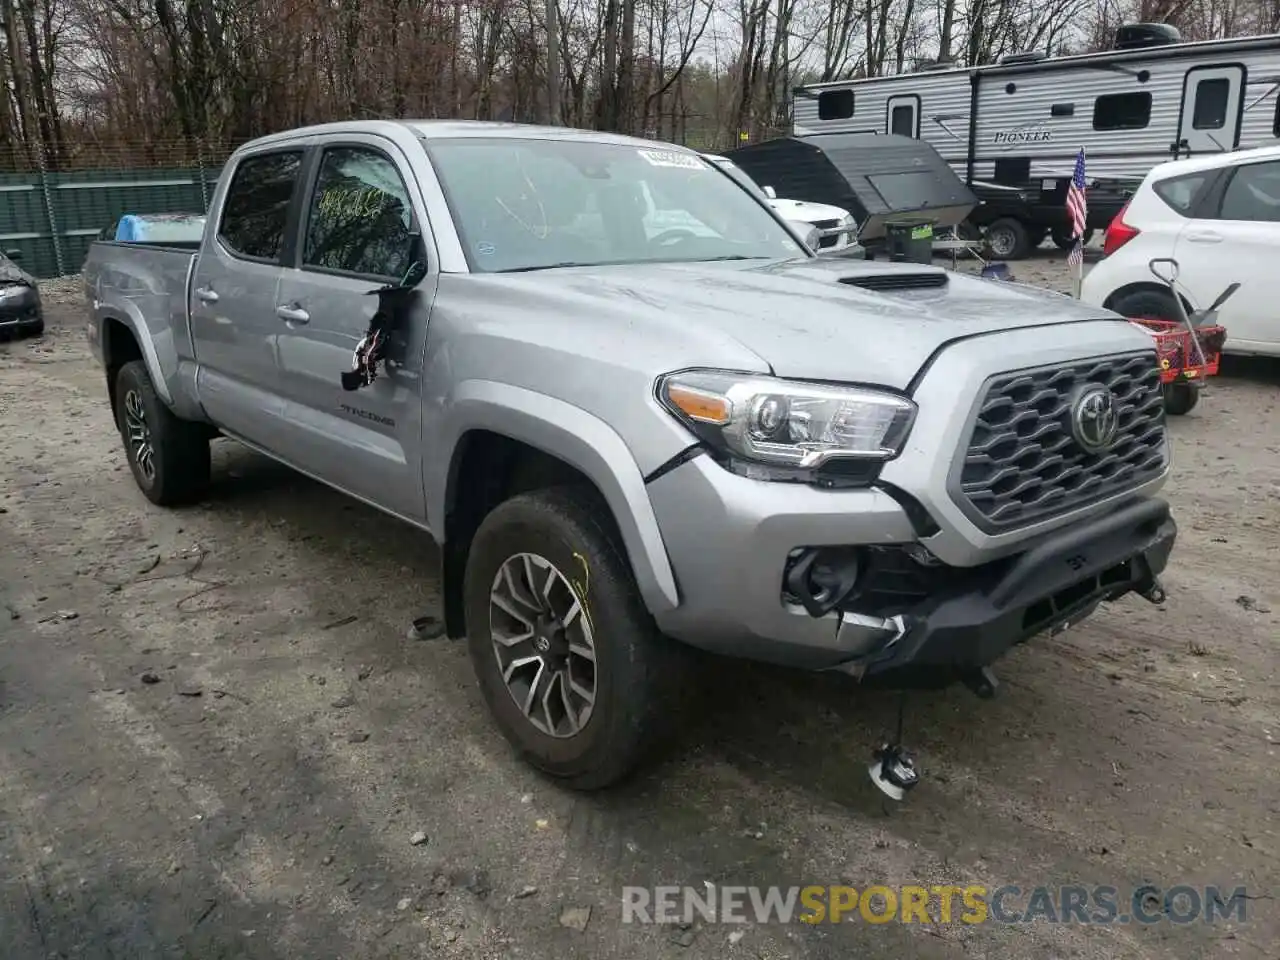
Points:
[(664, 158)]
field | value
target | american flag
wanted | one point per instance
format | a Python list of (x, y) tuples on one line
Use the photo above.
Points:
[(1078, 209)]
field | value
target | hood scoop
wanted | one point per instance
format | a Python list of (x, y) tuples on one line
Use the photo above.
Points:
[(899, 280)]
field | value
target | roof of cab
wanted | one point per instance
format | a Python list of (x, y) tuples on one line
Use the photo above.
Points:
[(459, 129)]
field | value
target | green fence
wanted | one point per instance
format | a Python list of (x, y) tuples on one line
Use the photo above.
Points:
[(51, 218)]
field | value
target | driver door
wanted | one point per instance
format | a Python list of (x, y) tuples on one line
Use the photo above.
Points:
[(361, 228)]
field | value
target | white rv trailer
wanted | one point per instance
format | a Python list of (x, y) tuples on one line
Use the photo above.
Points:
[(1020, 123)]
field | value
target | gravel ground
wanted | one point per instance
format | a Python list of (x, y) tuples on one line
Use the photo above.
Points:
[(216, 740)]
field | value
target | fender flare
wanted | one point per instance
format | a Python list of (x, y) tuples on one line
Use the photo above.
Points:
[(146, 345), (582, 441)]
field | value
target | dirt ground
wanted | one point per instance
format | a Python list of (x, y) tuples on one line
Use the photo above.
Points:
[(218, 741)]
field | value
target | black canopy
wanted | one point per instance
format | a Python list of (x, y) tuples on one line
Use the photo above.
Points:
[(877, 178)]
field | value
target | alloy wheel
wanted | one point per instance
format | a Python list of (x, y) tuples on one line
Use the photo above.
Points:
[(138, 435), (544, 644)]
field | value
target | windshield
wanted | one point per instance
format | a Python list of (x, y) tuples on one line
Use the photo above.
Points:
[(534, 204)]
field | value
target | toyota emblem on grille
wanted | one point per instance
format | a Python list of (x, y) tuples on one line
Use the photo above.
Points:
[(1094, 419)]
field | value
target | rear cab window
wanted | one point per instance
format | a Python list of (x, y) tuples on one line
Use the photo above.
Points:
[(1182, 193), (256, 210)]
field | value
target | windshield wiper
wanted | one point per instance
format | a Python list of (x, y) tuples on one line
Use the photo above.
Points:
[(547, 266), (728, 256)]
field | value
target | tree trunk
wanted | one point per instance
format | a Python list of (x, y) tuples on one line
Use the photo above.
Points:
[(553, 63)]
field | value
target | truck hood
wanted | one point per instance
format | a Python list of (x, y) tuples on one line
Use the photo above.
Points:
[(807, 319)]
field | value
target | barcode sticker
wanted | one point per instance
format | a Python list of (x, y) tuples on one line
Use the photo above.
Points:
[(663, 158)]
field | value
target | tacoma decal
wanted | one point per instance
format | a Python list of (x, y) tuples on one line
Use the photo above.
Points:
[(366, 415)]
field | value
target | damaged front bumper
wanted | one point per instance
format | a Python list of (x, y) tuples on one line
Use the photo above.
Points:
[(910, 619), (981, 614)]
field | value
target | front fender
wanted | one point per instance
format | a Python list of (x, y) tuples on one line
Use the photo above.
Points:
[(581, 440)]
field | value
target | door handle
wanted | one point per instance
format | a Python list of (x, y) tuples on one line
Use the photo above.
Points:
[(1204, 236), (206, 295), (292, 314)]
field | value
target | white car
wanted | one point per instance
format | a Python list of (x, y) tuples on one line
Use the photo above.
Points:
[(835, 232), (1219, 217)]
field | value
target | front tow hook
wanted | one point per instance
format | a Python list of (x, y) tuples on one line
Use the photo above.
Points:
[(1154, 592)]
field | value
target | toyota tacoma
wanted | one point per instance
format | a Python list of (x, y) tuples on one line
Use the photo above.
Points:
[(629, 438)]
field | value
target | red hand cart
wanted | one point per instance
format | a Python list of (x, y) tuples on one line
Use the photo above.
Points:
[(1189, 348)]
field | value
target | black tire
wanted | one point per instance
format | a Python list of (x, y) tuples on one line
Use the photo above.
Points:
[(1009, 239), (638, 672), (1149, 303), (1180, 398), (35, 329), (1062, 238), (179, 448)]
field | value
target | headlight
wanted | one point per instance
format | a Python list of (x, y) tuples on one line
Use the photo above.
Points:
[(787, 423)]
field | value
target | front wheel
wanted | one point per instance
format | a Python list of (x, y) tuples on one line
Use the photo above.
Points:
[(1180, 398), (570, 663), (169, 456)]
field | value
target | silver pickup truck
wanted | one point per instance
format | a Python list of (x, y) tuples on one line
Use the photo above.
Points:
[(628, 437)]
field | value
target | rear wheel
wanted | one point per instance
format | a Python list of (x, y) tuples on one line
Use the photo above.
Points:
[(169, 456), (1147, 304), (1009, 239), (1180, 398), (568, 659)]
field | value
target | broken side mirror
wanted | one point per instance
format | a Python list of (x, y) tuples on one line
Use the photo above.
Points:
[(384, 337)]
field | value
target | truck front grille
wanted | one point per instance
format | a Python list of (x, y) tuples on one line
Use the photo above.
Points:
[(1023, 464), (831, 241)]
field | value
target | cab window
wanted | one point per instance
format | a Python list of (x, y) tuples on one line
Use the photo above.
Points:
[(360, 220), (257, 205)]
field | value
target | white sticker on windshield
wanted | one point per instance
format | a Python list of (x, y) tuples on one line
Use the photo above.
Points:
[(664, 158)]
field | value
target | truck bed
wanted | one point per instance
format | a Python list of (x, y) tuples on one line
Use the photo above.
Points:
[(145, 287)]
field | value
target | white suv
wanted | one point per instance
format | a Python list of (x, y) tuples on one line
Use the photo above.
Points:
[(1219, 217)]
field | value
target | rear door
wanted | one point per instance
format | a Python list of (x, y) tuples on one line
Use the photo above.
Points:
[(359, 231), (1236, 242), (1210, 117), (233, 295)]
